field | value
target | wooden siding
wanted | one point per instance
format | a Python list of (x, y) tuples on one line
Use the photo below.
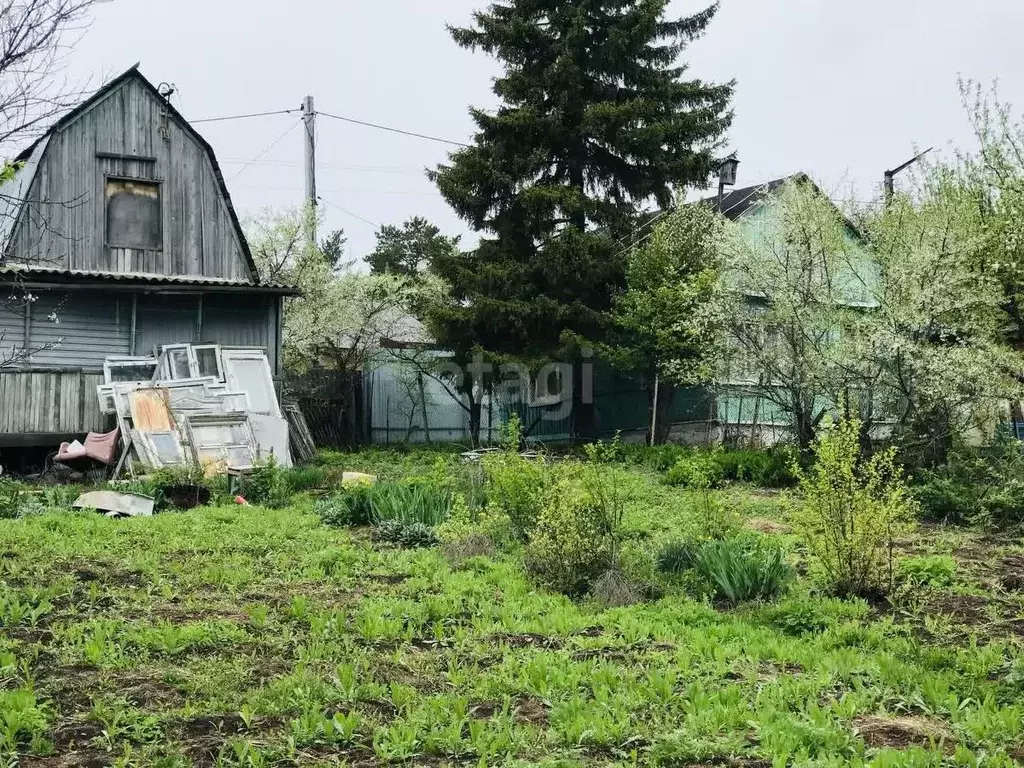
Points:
[(48, 402), (45, 398), (166, 320), (128, 134), (88, 327), (241, 321), (12, 328)]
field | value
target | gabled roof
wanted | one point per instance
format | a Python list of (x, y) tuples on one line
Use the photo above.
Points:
[(737, 202), (35, 150)]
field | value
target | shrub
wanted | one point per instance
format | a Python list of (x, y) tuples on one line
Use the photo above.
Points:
[(933, 571), (851, 512), (799, 617), (569, 545), (266, 485), (515, 484), (350, 506), (410, 503), (697, 470), (614, 589), (743, 569), (804, 614), (767, 469), (985, 487)]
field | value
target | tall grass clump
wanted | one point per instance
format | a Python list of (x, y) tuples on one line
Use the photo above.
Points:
[(743, 569), (850, 512), (409, 504)]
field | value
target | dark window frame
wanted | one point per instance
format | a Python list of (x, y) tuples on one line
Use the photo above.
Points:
[(159, 184)]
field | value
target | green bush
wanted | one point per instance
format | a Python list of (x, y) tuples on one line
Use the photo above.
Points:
[(766, 468), (804, 615), (409, 535), (743, 569), (697, 470), (515, 485), (932, 571), (409, 503), (851, 511), (570, 545), (976, 486), (266, 485), (352, 505)]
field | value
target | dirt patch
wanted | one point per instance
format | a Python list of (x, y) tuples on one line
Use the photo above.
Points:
[(527, 640), (1012, 573), (387, 578), (767, 526), (180, 615), (484, 710), (530, 710), (770, 670), (70, 737), (203, 736), (148, 693), (902, 732), (111, 576), (94, 759), (72, 687)]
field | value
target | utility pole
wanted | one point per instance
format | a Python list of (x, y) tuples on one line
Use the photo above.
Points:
[(309, 123), (887, 182)]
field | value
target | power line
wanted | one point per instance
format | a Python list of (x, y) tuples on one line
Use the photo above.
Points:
[(243, 117), (272, 144), (349, 213), (392, 169), (393, 130)]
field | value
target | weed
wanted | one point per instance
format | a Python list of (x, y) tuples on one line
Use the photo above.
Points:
[(410, 535), (932, 571), (350, 506), (410, 503), (677, 557), (697, 470), (267, 485), (743, 569)]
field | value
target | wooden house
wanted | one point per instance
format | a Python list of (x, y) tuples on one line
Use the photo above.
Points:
[(119, 229)]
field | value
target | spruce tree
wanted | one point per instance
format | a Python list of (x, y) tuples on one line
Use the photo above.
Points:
[(597, 120)]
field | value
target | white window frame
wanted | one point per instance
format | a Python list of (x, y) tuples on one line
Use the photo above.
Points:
[(228, 356)]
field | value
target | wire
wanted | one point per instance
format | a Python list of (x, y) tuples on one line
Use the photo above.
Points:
[(393, 130), (272, 144), (348, 212), (243, 117)]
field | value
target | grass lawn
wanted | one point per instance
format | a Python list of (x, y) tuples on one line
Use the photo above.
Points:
[(248, 636)]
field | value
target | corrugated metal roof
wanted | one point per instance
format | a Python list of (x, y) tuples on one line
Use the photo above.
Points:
[(50, 274)]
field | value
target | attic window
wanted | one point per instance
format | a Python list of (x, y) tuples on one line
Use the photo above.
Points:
[(133, 214)]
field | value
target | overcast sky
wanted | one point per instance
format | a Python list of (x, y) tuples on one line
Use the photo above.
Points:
[(841, 90)]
